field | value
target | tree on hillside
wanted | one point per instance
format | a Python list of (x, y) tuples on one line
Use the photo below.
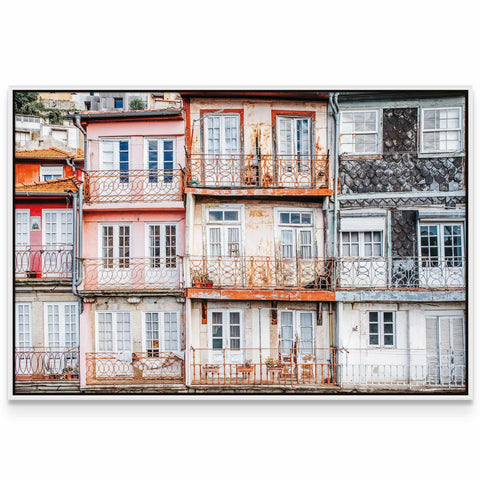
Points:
[(28, 103)]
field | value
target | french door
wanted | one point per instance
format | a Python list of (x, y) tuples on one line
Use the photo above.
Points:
[(163, 267), (58, 243), (114, 334), (115, 267), (446, 349), (226, 336), (22, 241), (115, 159), (23, 339), (297, 335), (225, 265)]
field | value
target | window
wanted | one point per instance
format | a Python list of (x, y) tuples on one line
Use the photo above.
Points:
[(296, 234), (441, 243), (118, 102), (296, 332), (60, 135), (115, 245), (114, 333), (162, 241), (61, 325), (160, 156), (22, 227), (359, 132), (294, 137), (21, 138), (58, 227), (362, 244), (381, 329), (115, 156), (226, 330), (50, 172), (295, 218), (224, 236), (23, 331), (441, 129), (162, 333), (222, 134)]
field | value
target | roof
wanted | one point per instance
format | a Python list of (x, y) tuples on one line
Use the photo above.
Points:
[(58, 185), (52, 152), (119, 114)]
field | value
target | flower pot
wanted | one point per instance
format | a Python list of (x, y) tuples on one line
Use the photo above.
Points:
[(208, 284), (32, 274), (69, 376), (242, 369), (197, 283)]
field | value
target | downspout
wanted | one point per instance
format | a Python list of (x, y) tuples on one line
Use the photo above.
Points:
[(333, 101)]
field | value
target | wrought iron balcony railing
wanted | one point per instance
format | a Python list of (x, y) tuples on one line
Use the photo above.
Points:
[(261, 272), (44, 261), (401, 273), (111, 186), (264, 366), (46, 363), (265, 171), (159, 273), (134, 368)]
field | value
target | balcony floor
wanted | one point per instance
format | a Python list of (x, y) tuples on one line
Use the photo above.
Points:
[(259, 294), (260, 192)]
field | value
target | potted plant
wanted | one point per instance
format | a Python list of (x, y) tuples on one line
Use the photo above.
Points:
[(211, 368), (246, 367), (194, 182), (202, 280), (70, 372), (274, 364)]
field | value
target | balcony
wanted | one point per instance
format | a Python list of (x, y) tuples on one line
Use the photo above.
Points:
[(116, 186), (401, 273), (132, 274), (253, 175), (134, 368), (262, 278), (42, 363), (264, 366), (44, 262)]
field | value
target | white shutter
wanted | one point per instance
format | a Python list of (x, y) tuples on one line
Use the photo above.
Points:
[(362, 224)]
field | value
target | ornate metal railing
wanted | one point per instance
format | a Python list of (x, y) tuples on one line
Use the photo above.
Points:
[(133, 185), (261, 272), (250, 171), (402, 367), (162, 273), (134, 368), (264, 366), (404, 272), (44, 261), (46, 363)]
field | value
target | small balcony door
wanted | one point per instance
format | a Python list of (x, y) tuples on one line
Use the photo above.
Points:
[(115, 267), (442, 262), (294, 162), (222, 165), (162, 267), (226, 336), (296, 263), (23, 339), (57, 242), (61, 336), (115, 161), (160, 160), (22, 241), (114, 335), (445, 337)]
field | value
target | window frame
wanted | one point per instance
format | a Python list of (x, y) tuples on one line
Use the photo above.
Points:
[(207, 114), (161, 330), (163, 244), (361, 243), (116, 153), (381, 329), (441, 243), (296, 328), (153, 177), (114, 330), (115, 99), (294, 118), (115, 259), (58, 233), (422, 130), (378, 132), (297, 228), (30, 326), (224, 225), (62, 329), (23, 211), (225, 325)]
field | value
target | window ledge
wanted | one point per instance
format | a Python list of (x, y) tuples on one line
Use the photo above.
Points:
[(440, 154), (367, 156)]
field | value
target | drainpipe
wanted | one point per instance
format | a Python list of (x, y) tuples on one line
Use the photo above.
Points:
[(333, 101)]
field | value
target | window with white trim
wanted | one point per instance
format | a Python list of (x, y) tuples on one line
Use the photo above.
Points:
[(441, 244), (160, 156), (222, 134), (296, 234), (115, 156), (441, 129), (21, 138), (162, 332), (50, 172), (359, 132), (115, 245), (362, 244), (381, 329), (22, 227), (23, 330), (114, 332), (223, 232), (60, 135), (61, 325), (162, 244), (294, 135), (58, 228)]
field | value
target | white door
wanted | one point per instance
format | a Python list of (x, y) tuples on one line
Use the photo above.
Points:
[(446, 350), (294, 162), (160, 163), (162, 268), (115, 266), (57, 243), (297, 265), (226, 336), (117, 181), (222, 165), (23, 339), (297, 335), (22, 242), (61, 336), (225, 265)]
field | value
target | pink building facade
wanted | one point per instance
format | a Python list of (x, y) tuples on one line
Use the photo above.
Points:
[(132, 323)]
